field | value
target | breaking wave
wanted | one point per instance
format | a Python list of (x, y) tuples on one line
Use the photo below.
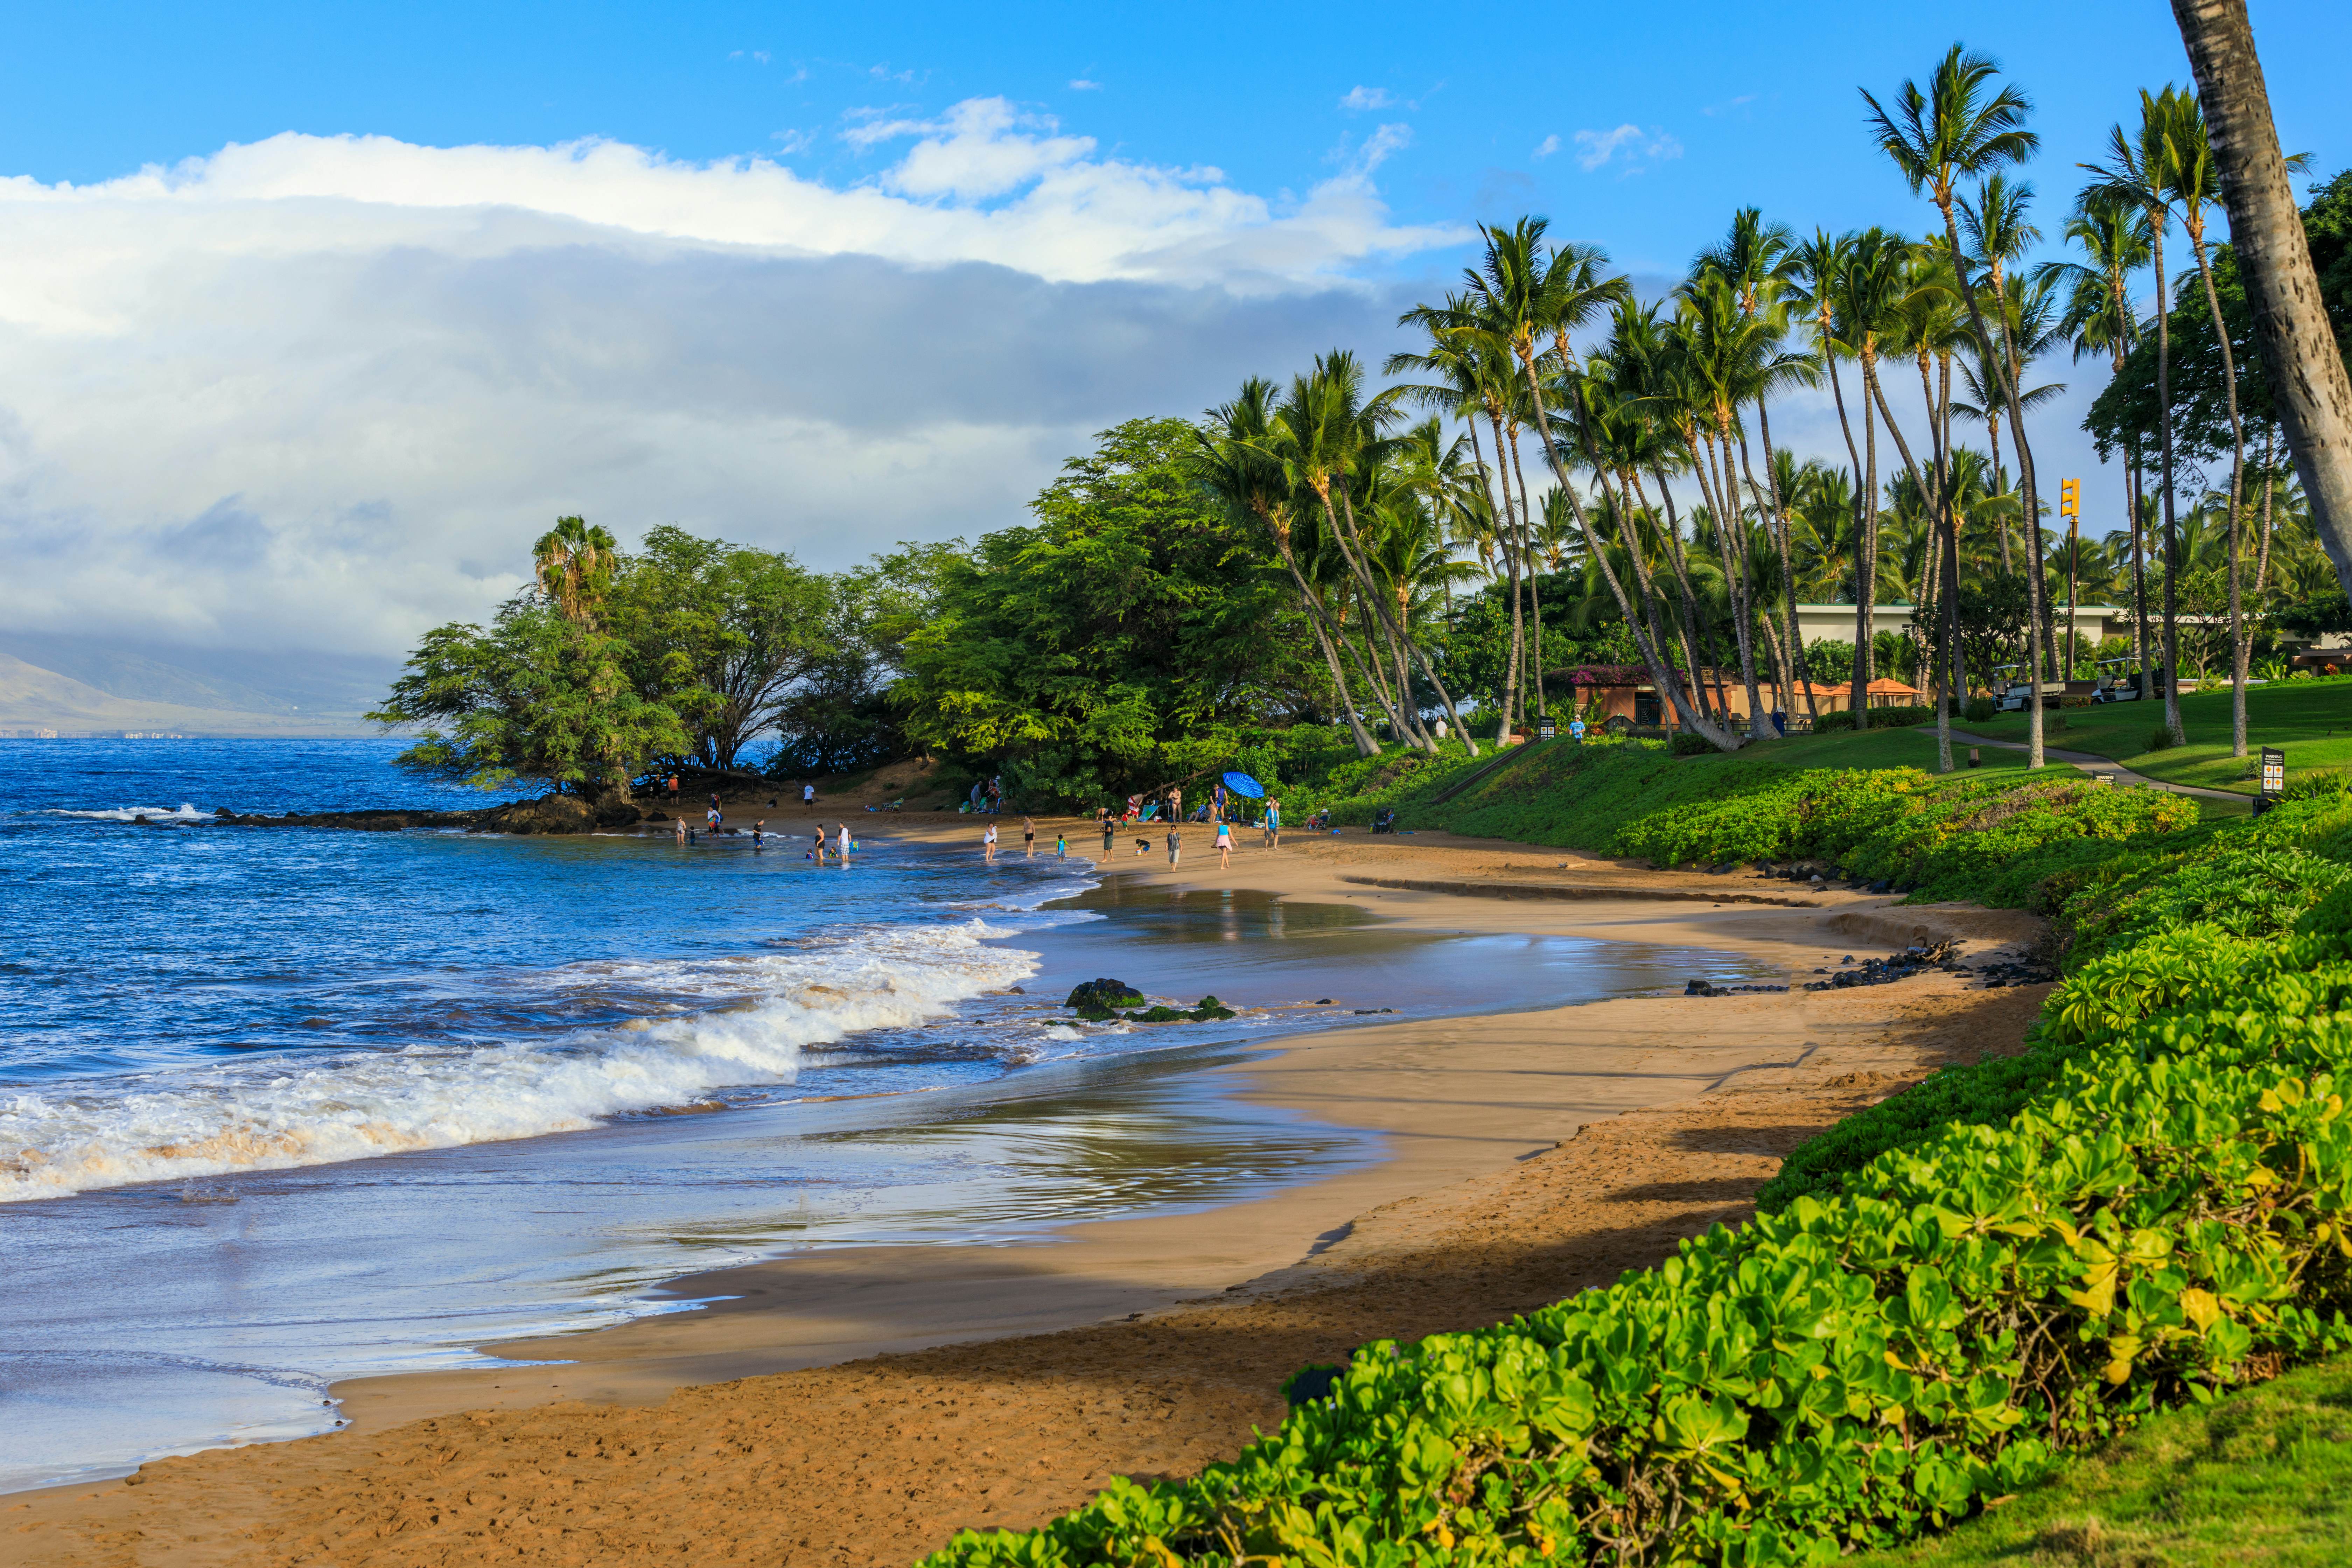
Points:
[(724, 1025)]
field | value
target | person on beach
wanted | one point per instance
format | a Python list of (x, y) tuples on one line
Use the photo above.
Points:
[(759, 832), (1217, 800), (1224, 846), (1028, 839), (681, 833), (1110, 827), (1061, 846), (1274, 824), (844, 844), (673, 792), (988, 843), (1175, 844), (1175, 805), (817, 850), (808, 798)]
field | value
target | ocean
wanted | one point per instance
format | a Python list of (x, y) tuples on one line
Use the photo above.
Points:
[(284, 1106)]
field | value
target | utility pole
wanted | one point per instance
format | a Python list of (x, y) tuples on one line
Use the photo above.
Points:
[(2069, 507)]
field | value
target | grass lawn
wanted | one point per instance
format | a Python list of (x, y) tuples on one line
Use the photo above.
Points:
[(2311, 721), (2262, 1476)]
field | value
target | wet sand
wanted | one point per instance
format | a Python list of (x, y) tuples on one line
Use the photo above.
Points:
[(1531, 1153)]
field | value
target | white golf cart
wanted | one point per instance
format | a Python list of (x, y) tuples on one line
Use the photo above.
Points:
[(2012, 690)]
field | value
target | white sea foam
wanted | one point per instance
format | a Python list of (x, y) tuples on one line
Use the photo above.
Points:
[(183, 812), (748, 1022)]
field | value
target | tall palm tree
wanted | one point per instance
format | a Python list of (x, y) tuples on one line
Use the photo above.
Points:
[(1469, 375), (1760, 262), (2192, 181), (572, 564), (1865, 297), (2307, 374), (2113, 233), (1958, 130), (2136, 172), (1234, 464), (1528, 291)]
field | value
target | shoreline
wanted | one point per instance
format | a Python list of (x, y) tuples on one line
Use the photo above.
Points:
[(1460, 1103)]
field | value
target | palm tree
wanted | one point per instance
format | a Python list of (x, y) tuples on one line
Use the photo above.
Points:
[(2137, 172), (1344, 433), (2114, 232), (1525, 292), (1956, 130), (1864, 299), (2190, 180), (1470, 375), (1235, 466), (2306, 370), (572, 564), (1759, 260)]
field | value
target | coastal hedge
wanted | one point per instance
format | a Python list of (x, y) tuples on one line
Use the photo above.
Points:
[(2146, 1210)]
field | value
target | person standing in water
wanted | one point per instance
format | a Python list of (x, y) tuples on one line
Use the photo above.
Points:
[(681, 833), (1224, 845), (842, 844), (988, 843), (1061, 846), (759, 833), (816, 850), (1029, 837)]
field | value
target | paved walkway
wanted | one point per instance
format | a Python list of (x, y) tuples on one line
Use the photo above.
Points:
[(2091, 764)]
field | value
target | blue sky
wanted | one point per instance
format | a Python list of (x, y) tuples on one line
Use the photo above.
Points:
[(1058, 215)]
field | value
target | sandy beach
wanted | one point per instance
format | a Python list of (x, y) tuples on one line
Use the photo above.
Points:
[(858, 1407)]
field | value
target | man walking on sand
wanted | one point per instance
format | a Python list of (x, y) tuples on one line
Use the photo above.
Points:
[(1110, 827), (808, 798), (1175, 844)]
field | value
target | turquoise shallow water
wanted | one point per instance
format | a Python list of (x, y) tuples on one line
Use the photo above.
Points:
[(281, 1106)]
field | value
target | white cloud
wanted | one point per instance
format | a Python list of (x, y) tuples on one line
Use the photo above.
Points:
[(1628, 145), (1081, 84), (1546, 148), (324, 391), (1359, 99), (1380, 144)]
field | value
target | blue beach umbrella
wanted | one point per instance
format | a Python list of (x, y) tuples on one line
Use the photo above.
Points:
[(1241, 783)]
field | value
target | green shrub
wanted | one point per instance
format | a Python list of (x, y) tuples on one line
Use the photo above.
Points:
[(1981, 709), (1829, 724), (2160, 1223), (2159, 739), (1684, 743)]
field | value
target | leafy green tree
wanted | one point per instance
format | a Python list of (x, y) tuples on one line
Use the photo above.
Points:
[(1134, 614), (724, 634), (544, 693)]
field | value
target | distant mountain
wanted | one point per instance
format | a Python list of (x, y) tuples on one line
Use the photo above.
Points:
[(312, 684), (110, 691)]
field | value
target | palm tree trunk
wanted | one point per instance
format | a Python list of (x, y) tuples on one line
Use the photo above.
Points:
[(2238, 641), (2308, 374), (1535, 601), (2000, 354), (1865, 569), (1428, 671), (1787, 693), (1691, 623), (1511, 561), (1365, 745), (2164, 489), (1661, 673), (1931, 495), (1788, 565)]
